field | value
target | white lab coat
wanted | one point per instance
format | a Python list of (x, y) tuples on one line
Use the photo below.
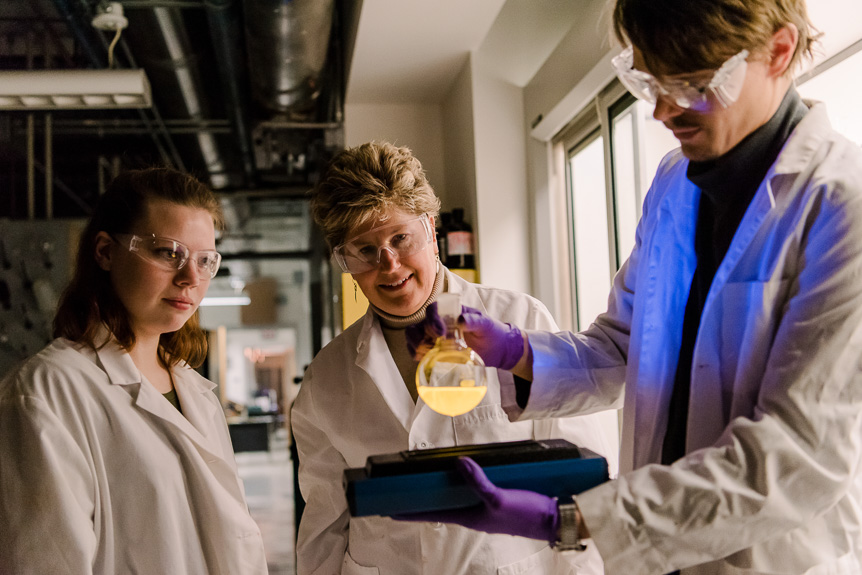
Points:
[(101, 474), (353, 403), (772, 480)]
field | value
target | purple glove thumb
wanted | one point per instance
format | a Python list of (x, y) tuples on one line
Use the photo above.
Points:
[(508, 511), (421, 336), (499, 344)]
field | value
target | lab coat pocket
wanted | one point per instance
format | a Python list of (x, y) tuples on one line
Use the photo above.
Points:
[(545, 561), (748, 315), (749, 311), (489, 424), (250, 554), (351, 567)]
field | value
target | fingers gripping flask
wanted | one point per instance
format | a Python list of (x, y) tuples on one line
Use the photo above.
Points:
[(451, 377)]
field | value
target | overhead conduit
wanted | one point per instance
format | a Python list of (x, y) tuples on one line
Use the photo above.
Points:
[(287, 42)]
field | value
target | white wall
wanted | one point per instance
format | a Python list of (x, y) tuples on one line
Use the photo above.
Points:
[(459, 147), (502, 219), (416, 126), (561, 74)]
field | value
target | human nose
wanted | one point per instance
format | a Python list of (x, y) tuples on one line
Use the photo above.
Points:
[(666, 108), (190, 274), (388, 259)]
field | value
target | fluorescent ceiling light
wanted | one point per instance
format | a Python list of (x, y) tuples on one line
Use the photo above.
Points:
[(225, 301), (74, 89)]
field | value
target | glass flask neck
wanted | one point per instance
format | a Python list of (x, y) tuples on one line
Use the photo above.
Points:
[(453, 339)]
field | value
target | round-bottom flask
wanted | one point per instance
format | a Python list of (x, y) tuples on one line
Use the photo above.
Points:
[(451, 377)]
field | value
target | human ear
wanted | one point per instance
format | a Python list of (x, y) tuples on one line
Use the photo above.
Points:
[(782, 49), (102, 253)]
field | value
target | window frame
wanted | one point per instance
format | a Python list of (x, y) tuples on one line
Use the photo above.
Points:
[(595, 120)]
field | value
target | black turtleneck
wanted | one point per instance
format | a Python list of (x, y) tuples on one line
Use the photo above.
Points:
[(727, 186)]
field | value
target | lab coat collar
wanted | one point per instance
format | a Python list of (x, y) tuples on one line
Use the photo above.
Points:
[(373, 357), (804, 142), (797, 155), (198, 412)]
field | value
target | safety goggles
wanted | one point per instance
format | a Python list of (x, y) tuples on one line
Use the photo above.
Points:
[(170, 254), (692, 94), (402, 239)]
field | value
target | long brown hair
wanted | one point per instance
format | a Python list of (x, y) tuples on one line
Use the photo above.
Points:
[(89, 302)]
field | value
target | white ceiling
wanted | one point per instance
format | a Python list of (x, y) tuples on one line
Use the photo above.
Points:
[(410, 51)]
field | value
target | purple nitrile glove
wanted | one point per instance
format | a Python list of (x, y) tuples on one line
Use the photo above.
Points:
[(508, 511), (499, 344), (421, 336)]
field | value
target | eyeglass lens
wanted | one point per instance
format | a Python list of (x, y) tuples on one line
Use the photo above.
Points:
[(401, 240), (171, 254)]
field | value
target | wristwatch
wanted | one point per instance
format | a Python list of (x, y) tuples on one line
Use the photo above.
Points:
[(567, 536)]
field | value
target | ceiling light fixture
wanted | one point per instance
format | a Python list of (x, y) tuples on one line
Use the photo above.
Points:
[(79, 89), (222, 301), (74, 89)]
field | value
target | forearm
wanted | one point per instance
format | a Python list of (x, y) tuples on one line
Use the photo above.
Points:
[(524, 367)]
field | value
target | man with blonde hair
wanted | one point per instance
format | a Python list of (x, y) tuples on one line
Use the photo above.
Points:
[(733, 333)]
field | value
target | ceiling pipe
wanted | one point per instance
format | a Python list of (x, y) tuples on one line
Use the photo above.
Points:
[(224, 20), (84, 35), (161, 45), (287, 44), (158, 39), (94, 47)]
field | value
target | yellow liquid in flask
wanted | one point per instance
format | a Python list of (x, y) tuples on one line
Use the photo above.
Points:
[(450, 379), (453, 401)]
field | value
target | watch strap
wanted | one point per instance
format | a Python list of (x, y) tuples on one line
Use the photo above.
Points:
[(567, 536)]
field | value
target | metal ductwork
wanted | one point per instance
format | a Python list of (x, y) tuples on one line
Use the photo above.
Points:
[(287, 41), (226, 30), (158, 39), (237, 85)]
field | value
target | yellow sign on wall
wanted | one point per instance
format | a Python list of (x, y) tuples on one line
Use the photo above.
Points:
[(353, 302)]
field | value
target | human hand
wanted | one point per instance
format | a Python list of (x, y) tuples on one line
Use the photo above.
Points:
[(508, 511), (499, 344)]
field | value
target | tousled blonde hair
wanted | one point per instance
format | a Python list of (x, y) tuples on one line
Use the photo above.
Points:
[(365, 183)]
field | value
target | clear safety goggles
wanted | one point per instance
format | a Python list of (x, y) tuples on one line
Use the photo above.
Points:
[(170, 254), (402, 239), (692, 94)]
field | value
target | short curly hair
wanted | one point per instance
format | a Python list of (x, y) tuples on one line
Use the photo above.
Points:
[(365, 183), (690, 35)]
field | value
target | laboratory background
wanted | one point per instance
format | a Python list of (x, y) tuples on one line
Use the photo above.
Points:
[(539, 155)]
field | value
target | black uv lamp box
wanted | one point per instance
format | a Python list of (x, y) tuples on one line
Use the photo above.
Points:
[(427, 480)]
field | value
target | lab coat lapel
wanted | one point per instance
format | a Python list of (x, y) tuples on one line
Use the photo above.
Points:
[(373, 357), (670, 265), (197, 408), (753, 219), (121, 370), (791, 162)]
